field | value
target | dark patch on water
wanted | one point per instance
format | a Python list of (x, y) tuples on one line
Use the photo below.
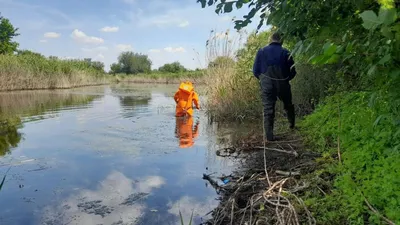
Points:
[(133, 198), (95, 207)]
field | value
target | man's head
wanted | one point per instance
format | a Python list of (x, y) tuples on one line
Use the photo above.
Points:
[(276, 37)]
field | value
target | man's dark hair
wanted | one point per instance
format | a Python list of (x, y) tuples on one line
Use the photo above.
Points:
[(276, 37)]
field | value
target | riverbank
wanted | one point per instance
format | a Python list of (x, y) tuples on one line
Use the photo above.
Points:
[(163, 78), (352, 129), (268, 187), (31, 72)]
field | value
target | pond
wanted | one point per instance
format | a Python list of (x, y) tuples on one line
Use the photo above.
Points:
[(105, 155)]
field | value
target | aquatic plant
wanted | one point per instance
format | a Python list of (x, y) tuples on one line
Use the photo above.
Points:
[(181, 217)]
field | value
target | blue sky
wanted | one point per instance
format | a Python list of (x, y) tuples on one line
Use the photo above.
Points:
[(166, 30)]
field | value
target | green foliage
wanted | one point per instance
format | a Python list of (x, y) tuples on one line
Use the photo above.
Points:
[(115, 68), (131, 63), (7, 33), (33, 71), (162, 77), (362, 36), (97, 65), (28, 52), (9, 135), (174, 67), (369, 149)]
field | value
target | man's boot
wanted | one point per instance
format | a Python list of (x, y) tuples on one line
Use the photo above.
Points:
[(291, 116), (269, 130)]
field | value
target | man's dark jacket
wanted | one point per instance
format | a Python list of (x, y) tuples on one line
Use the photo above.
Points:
[(274, 55)]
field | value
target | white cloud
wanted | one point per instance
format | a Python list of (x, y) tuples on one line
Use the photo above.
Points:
[(68, 57), (96, 49), (171, 18), (186, 205), (123, 47), (81, 37), (184, 24), (154, 50), (109, 29), (114, 198), (43, 41), (51, 35), (173, 50), (99, 57)]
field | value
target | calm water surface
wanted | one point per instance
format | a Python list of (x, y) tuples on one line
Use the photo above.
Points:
[(104, 155)]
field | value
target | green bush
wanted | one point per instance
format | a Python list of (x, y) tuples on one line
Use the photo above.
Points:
[(369, 144)]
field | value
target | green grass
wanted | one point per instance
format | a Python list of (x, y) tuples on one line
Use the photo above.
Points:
[(159, 77), (22, 72), (369, 149)]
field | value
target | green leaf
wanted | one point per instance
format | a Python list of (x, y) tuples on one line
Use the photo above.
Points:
[(2, 182), (387, 16), (334, 58), (370, 19), (309, 46), (239, 4), (378, 120), (395, 74), (326, 45), (319, 59), (262, 208), (386, 32), (228, 7), (330, 50), (203, 3), (210, 2), (371, 70), (219, 8), (311, 58), (385, 59), (349, 48), (344, 37)]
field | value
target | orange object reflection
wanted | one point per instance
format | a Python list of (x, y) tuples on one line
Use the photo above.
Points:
[(185, 131)]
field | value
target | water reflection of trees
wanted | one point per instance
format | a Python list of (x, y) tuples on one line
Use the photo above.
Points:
[(9, 135), (132, 101), (31, 104)]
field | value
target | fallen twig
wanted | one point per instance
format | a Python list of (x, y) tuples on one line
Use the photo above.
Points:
[(279, 150), (377, 213), (284, 173)]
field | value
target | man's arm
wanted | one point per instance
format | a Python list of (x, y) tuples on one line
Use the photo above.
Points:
[(196, 100), (176, 97), (257, 65)]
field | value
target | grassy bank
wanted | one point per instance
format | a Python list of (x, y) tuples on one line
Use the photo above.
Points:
[(361, 158), (352, 121), (26, 72), (162, 78)]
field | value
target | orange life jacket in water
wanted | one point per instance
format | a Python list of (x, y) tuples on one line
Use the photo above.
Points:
[(185, 131), (184, 98)]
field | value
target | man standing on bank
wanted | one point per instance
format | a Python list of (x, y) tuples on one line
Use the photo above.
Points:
[(274, 68)]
